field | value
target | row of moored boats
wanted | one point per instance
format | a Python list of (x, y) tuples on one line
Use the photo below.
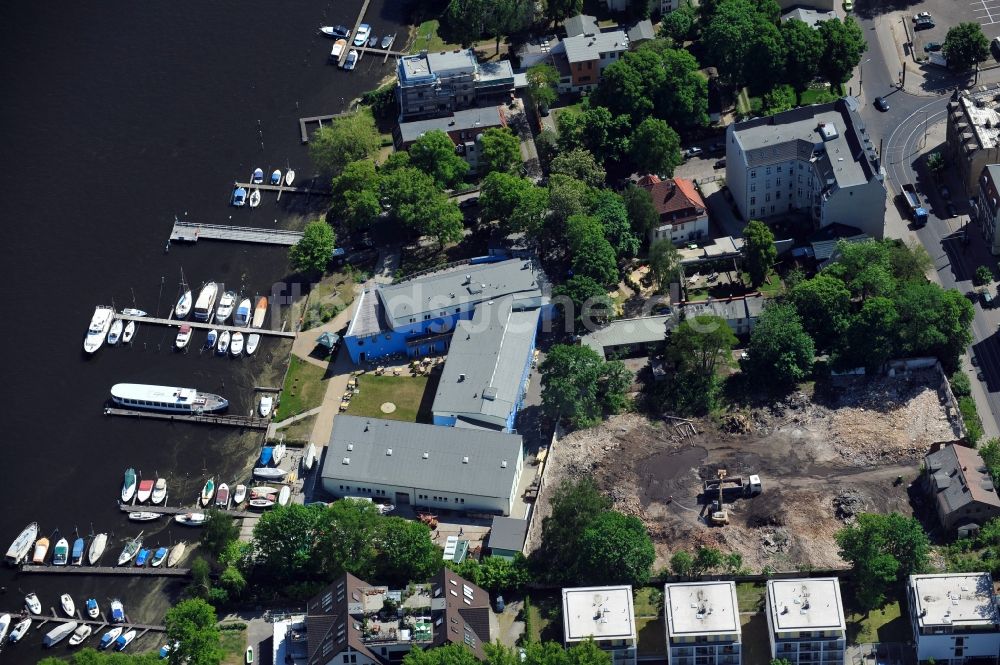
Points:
[(363, 37), (78, 632), (241, 197), (29, 548)]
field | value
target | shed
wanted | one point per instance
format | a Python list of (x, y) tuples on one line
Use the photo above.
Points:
[(328, 340), (507, 536)]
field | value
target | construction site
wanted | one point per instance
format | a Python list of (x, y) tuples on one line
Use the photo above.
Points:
[(773, 483)]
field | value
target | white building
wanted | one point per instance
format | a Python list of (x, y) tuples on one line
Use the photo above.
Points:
[(703, 623), (605, 614), (816, 160), (955, 618), (805, 620)]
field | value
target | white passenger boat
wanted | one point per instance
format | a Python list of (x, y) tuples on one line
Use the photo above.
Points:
[(223, 346), (129, 485), (276, 177), (266, 402), (243, 313), (129, 332), (183, 305), (166, 398), (18, 550), (253, 340), (4, 626), (132, 311), (236, 345), (143, 516), (337, 50), (254, 198), (21, 629), (80, 634), (159, 491), (257, 177), (191, 519), (32, 603), (213, 337), (205, 305), (261, 504), (226, 303), (239, 494), (115, 333), (125, 640), (59, 633), (100, 323), (289, 177), (183, 336), (68, 606), (96, 549), (131, 548)]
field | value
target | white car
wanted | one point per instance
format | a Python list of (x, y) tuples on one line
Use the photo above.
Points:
[(364, 32), (921, 16)]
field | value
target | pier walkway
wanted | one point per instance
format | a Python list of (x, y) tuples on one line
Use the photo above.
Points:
[(181, 510), (98, 624), (320, 119), (192, 232), (144, 571), (204, 325), (283, 188), (250, 422)]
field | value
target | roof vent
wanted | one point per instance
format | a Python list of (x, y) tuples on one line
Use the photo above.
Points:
[(346, 460), (468, 279), (465, 460), (388, 452), (503, 464), (350, 446), (827, 130), (461, 377), (426, 455)]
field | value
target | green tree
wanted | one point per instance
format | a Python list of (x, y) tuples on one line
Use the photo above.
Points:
[(935, 163), (933, 322), (405, 551), (779, 99), (201, 578), (567, 197), (909, 262), (496, 574), (613, 386), (779, 349), (355, 195), (804, 46), (416, 201), (346, 538), (344, 140), (682, 99), (824, 304), (843, 44), (965, 46), (312, 253), (500, 149), (579, 163), (871, 337), (697, 347), (517, 203), (558, 11), (707, 559), (744, 43), (682, 563), (442, 220), (232, 581), (191, 626), (592, 254), (656, 148), (507, 17), (547, 145), (583, 301), (983, 275), (865, 267), (678, 24), (219, 530), (543, 80), (284, 543), (609, 209), (641, 211), (449, 654), (463, 21), (664, 262), (576, 386), (604, 134), (616, 549), (576, 503), (759, 253), (434, 154), (628, 86)]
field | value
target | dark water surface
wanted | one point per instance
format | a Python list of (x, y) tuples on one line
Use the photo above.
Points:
[(114, 117)]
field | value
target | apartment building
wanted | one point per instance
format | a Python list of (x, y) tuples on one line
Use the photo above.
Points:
[(604, 614), (973, 133), (955, 618), (434, 84), (985, 210), (805, 620), (703, 623)]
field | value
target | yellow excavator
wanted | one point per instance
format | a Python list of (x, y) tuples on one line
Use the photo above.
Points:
[(719, 515)]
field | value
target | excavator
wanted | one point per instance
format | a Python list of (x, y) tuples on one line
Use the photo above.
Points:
[(719, 515)]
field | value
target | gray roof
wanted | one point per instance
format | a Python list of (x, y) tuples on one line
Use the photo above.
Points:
[(641, 31), (808, 15), (590, 47), (490, 470), (369, 315), (425, 66), (494, 71), (642, 330), (489, 116), (731, 310), (486, 360), (581, 24), (959, 477), (508, 533), (466, 284)]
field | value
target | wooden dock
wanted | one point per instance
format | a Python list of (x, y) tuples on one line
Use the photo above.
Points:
[(192, 232), (144, 571), (181, 510), (352, 33), (99, 624), (250, 422), (284, 188), (203, 325), (320, 119)]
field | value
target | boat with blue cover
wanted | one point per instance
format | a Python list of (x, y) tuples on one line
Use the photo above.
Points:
[(76, 558), (265, 455)]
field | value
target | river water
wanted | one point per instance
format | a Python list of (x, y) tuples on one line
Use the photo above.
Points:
[(116, 116)]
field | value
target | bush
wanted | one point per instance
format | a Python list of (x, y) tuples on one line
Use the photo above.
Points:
[(529, 629), (983, 276), (233, 626), (960, 384), (973, 424)]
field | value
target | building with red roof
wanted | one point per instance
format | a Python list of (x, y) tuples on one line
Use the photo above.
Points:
[(683, 215)]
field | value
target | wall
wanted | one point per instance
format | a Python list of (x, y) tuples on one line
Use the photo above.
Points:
[(862, 206), (682, 232), (736, 171), (585, 74)]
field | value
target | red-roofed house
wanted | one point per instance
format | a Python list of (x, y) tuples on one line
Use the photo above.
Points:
[(683, 216)]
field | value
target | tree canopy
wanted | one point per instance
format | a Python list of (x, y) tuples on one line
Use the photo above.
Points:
[(804, 46), (824, 304), (580, 164), (965, 46), (844, 43), (355, 194), (664, 262), (578, 385), (605, 135), (434, 154), (697, 347), (543, 80), (592, 255), (609, 209), (759, 253), (780, 352), (583, 301), (500, 149), (312, 253), (345, 139), (641, 210), (742, 40), (517, 203), (192, 627), (218, 531), (656, 148)]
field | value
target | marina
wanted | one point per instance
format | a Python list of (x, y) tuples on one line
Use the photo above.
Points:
[(176, 323), (192, 232), (182, 510), (281, 188), (250, 422), (143, 571)]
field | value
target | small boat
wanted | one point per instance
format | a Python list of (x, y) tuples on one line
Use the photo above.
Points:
[(253, 340), (387, 41), (18, 550), (145, 491), (93, 609), (207, 492), (165, 650), (239, 197), (309, 457), (204, 306), (352, 60), (124, 640), (284, 496), (266, 455), (158, 557), (20, 629), (4, 626), (183, 336), (109, 637), (32, 603), (59, 633), (335, 30), (76, 558), (225, 308), (372, 41), (239, 494), (129, 485), (100, 323), (142, 557), (361, 36), (191, 519), (131, 548), (261, 504), (60, 553), (255, 198), (80, 634), (132, 311), (176, 554), (68, 606), (267, 473), (259, 313), (129, 332), (143, 516), (96, 549), (222, 496), (289, 177), (223, 346), (337, 50), (266, 402), (183, 306), (159, 491), (279, 453), (276, 177), (249, 656), (213, 337), (236, 345), (115, 333), (242, 313), (263, 492), (41, 550), (117, 611), (257, 177)]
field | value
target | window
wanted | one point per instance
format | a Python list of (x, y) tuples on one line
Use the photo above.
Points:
[(753, 200), (777, 182), (768, 171), (753, 188), (779, 168), (777, 195), (767, 197), (427, 317), (753, 174), (753, 212)]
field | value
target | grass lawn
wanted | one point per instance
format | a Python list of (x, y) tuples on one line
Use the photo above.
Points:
[(652, 634), (772, 287), (884, 625), (304, 388), (556, 112), (427, 38), (300, 430), (407, 392), (546, 617), (750, 596), (648, 601), (234, 644)]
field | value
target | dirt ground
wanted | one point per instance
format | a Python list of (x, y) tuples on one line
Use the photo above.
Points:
[(821, 460)]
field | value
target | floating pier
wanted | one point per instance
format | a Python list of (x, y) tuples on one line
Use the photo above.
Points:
[(204, 325), (144, 571), (180, 510), (100, 624), (282, 189), (192, 232), (250, 422)]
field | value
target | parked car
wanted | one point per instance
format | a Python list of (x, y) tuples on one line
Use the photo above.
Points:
[(881, 104), (932, 46), (691, 152), (921, 16), (924, 24), (720, 164)]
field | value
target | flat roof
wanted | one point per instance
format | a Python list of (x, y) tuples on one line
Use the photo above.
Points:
[(508, 533), (702, 608), (964, 599), (582, 48), (603, 612), (640, 330), (465, 119), (812, 603)]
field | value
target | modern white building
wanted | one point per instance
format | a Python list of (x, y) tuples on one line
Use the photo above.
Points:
[(817, 161), (605, 614), (805, 620), (955, 618), (703, 623)]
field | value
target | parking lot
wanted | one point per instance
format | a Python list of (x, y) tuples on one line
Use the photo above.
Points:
[(948, 13)]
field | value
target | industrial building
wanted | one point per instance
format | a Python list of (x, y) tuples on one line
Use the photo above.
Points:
[(805, 620), (604, 614), (703, 623), (955, 618)]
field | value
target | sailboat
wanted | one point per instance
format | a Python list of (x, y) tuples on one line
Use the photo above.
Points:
[(68, 606), (20, 629), (223, 345), (132, 548), (253, 339), (115, 333), (97, 546), (289, 177), (176, 554), (255, 198), (129, 332), (183, 306)]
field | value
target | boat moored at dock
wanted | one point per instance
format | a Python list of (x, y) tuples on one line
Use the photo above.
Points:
[(60, 553), (243, 313), (226, 304), (41, 550), (76, 558), (59, 633), (18, 550), (165, 398), (159, 491), (259, 312), (96, 549), (129, 485), (100, 324), (205, 305)]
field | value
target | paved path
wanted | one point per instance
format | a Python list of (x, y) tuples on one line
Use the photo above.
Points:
[(274, 427)]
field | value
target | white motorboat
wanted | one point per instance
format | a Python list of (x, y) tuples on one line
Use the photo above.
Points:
[(100, 323), (129, 485), (68, 606), (117, 611), (279, 453), (145, 491), (159, 491), (337, 50), (276, 177), (257, 177), (143, 516), (352, 60), (115, 333), (80, 634), (166, 398), (93, 609), (109, 637), (183, 306), (263, 491), (309, 457), (254, 198), (21, 629), (259, 313), (362, 35), (239, 197), (32, 603), (18, 550), (183, 336), (60, 553), (261, 504), (41, 550), (204, 306), (191, 519), (388, 40), (132, 311), (226, 303), (96, 549), (243, 313), (239, 494), (129, 332), (223, 346), (334, 30), (284, 496), (222, 496), (236, 345), (124, 640), (176, 554), (289, 177), (269, 473), (59, 633), (207, 492), (4, 626), (266, 402), (253, 340)]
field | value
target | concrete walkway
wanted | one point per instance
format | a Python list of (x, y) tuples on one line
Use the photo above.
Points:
[(273, 428)]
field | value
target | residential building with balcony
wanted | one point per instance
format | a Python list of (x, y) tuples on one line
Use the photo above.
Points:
[(955, 618), (604, 614), (434, 84), (985, 210), (805, 620), (588, 54), (703, 623), (682, 211), (973, 133)]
